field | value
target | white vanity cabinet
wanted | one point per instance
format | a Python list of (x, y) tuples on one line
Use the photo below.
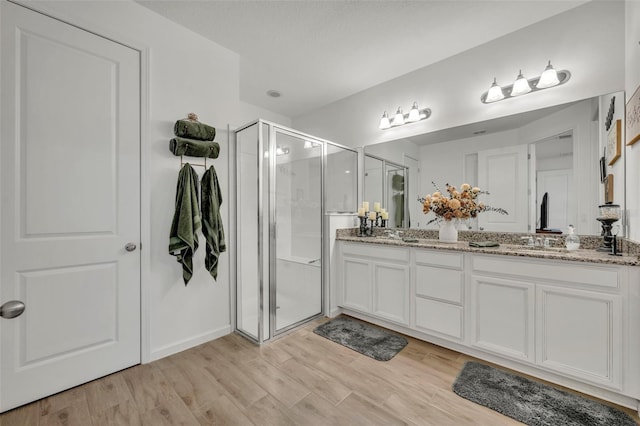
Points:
[(566, 317), (375, 280), (439, 293), (571, 322)]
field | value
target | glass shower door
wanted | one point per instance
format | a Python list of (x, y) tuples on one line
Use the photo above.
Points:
[(296, 252)]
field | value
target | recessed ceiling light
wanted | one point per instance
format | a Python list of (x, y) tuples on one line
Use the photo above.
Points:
[(274, 93)]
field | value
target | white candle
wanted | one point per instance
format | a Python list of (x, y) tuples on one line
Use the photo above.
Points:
[(372, 216), (383, 210), (376, 206), (360, 211), (384, 215), (365, 206)]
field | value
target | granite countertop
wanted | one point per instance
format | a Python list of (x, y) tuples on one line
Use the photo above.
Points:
[(508, 248)]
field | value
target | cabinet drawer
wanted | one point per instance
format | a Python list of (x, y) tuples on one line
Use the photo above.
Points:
[(440, 317), (572, 272), (439, 283), (379, 251), (439, 258)]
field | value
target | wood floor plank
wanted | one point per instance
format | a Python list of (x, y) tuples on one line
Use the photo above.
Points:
[(298, 379), (314, 410), (232, 377), (467, 412), (368, 413), (59, 401), (124, 414), (148, 386), (107, 392), (223, 412), (276, 382), (274, 354), (26, 415), (318, 382), (269, 411), (171, 412), (193, 383), (74, 414)]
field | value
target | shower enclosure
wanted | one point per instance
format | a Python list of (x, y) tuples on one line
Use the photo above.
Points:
[(281, 204)]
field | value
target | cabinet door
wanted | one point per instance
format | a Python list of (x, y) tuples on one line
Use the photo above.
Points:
[(356, 284), (502, 318), (579, 334), (391, 291)]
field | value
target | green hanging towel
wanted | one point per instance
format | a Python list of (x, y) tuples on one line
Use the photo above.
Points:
[(183, 239), (212, 221)]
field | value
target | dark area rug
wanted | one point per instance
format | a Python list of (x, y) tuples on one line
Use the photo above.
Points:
[(362, 337), (531, 402)]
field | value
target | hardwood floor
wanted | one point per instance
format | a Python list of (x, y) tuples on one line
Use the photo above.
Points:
[(299, 379)]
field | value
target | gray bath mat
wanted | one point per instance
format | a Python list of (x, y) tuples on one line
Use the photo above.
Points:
[(530, 402), (362, 337)]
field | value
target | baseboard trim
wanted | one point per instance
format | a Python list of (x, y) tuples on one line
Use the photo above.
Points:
[(189, 343)]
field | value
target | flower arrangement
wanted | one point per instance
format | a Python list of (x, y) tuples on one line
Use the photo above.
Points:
[(458, 204)]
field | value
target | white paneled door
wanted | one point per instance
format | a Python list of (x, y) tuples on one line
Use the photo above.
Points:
[(70, 214), (504, 174)]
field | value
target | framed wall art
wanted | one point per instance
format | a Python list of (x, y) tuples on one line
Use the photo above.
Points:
[(632, 118), (608, 189), (614, 144)]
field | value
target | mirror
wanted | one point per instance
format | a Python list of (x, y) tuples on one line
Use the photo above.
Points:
[(549, 155), (385, 182)]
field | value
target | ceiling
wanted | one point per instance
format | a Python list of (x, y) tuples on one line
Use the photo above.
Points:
[(317, 52)]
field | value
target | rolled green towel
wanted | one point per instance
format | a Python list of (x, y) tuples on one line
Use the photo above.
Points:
[(194, 130), (483, 244), (193, 148)]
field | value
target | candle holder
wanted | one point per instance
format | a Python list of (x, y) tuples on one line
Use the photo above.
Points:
[(363, 230), (367, 223), (609, 214)]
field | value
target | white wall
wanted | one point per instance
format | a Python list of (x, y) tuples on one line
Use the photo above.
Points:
[(618, 168), (587, 40), (632, 82), (187, 73)]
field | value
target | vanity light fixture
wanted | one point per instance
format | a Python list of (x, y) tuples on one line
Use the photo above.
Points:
[(398, 119), (549, 78), (414, 115), (520, 86)]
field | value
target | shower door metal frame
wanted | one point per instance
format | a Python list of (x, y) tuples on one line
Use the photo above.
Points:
[(270, 145)]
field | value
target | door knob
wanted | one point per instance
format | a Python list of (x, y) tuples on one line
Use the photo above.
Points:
[(130, 247), (12, 309)]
